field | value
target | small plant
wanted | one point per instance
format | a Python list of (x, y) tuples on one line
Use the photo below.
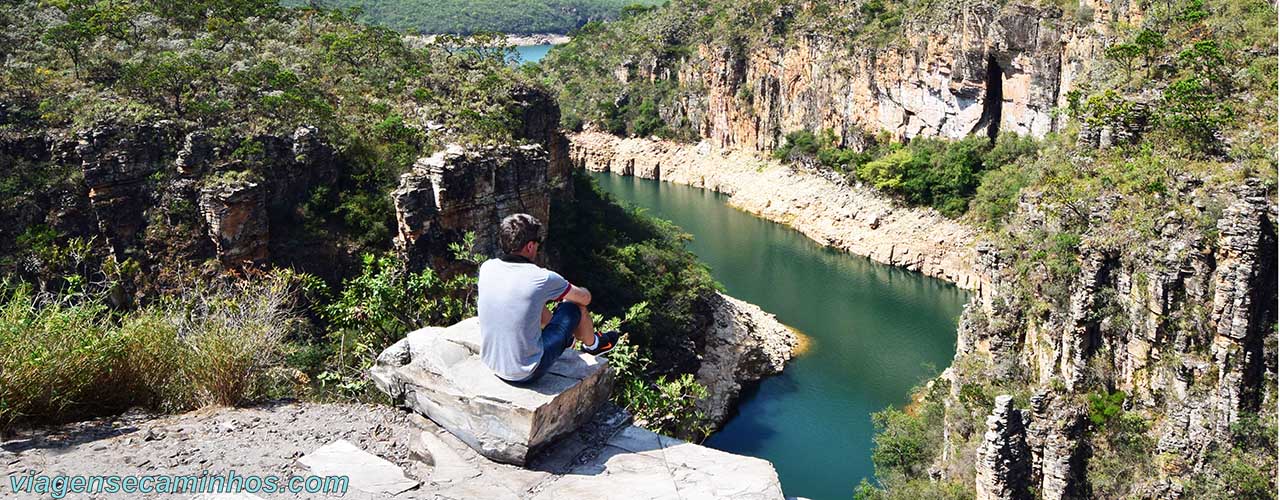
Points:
[(1104, 407)]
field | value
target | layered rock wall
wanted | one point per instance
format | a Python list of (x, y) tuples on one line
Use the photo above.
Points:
[(968, 68), (458, 191), (1182, 329)]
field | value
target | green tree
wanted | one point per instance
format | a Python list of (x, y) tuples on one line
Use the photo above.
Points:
[(1151, 42), (1125, 53)]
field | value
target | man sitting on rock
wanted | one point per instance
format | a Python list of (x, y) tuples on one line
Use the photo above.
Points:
[(519, 338)]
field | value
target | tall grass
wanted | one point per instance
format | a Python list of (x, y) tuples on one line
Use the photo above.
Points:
[(70, 357)]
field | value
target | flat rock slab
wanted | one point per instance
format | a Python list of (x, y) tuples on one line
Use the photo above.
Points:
[(638, 464), (438, 372), (366, 471)]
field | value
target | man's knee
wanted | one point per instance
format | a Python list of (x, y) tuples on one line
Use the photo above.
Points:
[(568, 309)]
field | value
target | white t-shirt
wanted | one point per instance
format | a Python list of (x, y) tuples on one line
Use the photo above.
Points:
[(512, 294)]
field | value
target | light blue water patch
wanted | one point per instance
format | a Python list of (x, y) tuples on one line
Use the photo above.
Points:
[(532, 53)]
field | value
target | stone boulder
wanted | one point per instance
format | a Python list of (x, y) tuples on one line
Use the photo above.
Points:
[(437, 372)]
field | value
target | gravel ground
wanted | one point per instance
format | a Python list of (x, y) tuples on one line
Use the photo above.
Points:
[(262, 440)]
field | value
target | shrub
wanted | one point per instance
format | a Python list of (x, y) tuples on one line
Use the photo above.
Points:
[(798, 144), (902, 443), (383, 304), (69, 356), (55, 354)]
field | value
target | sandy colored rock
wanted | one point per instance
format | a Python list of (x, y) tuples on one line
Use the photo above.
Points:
[(744, 345)]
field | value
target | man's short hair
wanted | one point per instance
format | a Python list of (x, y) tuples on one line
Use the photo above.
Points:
[(516, 230)]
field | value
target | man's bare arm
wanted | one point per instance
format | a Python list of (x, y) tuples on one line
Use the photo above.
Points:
[(578, 295)]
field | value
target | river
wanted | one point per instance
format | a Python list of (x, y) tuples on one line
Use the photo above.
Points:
[(875, 331)]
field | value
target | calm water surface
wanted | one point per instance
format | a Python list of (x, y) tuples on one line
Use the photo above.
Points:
[(532, 53), (876, 331)]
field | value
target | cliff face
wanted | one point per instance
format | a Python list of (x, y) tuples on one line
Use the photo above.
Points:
[(969, 69), (163, 193), (1187, 335), (457, 191)]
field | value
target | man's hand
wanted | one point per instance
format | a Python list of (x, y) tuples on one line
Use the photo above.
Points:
[(578, 295)]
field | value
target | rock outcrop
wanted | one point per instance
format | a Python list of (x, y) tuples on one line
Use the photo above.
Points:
[(1041, 450), (1004, 461), (437, 372), (1181, 326), (236, 212), (1058, 451), (855, 219), (1244, 302), (117, 162), (383, 450), (744, 345), (457, 191)]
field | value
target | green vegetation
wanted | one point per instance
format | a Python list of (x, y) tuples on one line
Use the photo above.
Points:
[(639, 270), (1194, 83), (906, 443), (930, 172), (68, 356), (245, 74), (465, 17)]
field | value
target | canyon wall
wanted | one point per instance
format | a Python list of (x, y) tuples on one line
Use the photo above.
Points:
[(164, 194), (1184, 329), (966, 68)]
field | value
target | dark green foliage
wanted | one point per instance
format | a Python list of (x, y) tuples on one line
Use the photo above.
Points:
[(915, 489), (637, 269), (1121, 452), (1247, 469), (472, 16), (625, 258), (906, 442), (1104, 407), (800, 143), (902, 444), (930, 172), (382, 304)]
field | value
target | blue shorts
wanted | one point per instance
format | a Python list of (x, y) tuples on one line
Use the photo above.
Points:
[(556, 337)]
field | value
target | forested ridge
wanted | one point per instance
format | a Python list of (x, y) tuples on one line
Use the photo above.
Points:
[(464, 17)]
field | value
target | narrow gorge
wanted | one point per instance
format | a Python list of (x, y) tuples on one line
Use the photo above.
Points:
[(1121, 337), (888, 249)]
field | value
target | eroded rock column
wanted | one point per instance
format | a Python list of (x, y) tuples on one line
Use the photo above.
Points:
[(1004, 460)]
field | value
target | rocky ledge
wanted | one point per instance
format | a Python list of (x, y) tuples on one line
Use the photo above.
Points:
[(387, 453), (851, 218), (744, 345), (438, 373)]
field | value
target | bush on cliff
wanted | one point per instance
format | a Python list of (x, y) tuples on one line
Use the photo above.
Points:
[(930, 172)]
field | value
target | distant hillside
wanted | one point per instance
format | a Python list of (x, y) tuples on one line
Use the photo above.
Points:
[(469, 16)]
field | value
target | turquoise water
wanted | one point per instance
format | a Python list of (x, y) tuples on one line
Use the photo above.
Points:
[(876, 331), (532, 53)]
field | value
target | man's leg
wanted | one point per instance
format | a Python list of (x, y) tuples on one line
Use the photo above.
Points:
[(585, 332)]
